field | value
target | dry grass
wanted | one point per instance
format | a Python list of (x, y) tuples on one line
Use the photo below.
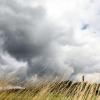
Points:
[(65, 90)]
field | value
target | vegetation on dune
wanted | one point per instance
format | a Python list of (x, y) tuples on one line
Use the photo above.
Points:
[(65, 90)]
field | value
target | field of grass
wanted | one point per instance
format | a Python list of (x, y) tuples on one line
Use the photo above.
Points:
[(65, 90)]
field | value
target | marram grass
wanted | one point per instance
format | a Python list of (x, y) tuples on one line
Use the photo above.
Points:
[(65, 90)]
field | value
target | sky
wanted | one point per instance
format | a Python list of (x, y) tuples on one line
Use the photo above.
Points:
[(48, 38)]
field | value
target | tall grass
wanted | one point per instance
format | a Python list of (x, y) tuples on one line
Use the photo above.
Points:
[(65, 90)]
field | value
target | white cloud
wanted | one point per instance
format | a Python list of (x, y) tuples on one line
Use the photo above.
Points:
[(9, 66), (88, 77)]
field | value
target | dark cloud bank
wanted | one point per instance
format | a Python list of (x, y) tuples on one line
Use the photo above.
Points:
[(28, 36)]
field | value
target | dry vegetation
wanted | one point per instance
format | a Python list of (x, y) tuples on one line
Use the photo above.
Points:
[(65, 90)]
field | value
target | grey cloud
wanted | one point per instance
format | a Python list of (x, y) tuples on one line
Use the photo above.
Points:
[(28, 35), (16, 27)]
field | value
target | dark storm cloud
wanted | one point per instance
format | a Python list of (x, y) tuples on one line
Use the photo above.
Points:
[(20, 47), (16, 26), (27, 35)]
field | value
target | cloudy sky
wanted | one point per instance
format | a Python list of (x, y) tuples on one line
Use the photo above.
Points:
[(50, 38)]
